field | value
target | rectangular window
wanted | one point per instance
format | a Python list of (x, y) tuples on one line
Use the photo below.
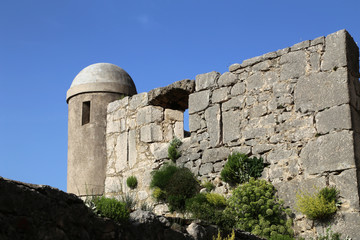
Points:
[(85, 113)]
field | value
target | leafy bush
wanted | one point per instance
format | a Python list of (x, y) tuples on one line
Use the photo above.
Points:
[(239, 168), (112, 208), (255, 209), (209, 186), (232, 237), (319, 205), (131, 182), (174, 185), (209, 207), (173, 153), (216, 200), (160, 178), (182, 185)]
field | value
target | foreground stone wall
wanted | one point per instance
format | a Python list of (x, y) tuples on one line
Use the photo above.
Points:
[(39, 212), (297, 107)]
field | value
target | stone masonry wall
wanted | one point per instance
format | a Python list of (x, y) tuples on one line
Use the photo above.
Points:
[(137, 140), (297, 107)]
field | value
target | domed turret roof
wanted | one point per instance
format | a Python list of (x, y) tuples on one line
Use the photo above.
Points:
[(102, 77)]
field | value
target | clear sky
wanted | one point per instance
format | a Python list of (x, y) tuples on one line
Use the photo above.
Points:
[(45, 43)]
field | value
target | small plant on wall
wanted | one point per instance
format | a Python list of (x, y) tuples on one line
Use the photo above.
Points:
[(173, 152), (174, 185), (132, 182), (239, 168), (319, 205)]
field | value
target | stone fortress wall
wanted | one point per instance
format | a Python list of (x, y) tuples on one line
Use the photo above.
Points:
[(297, 107)]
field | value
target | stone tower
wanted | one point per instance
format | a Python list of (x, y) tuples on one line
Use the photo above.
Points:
[(90, 92)]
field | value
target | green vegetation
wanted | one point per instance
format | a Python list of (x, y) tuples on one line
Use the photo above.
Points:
[(239, 168), (319, 205), (208, 207), (208, 185), (112, 208), (255, 209), (174, 185), (132, 182), (229, 237), (173, 152)]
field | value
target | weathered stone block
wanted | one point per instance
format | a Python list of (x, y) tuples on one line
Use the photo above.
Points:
[(234, 67), (219, 95), (258, 110), (335, 118), (194, 122), (151, 133), (198, 101), (234, 102), (122, 103), (113, 127), (292, 65), (206, 169), (138, 100), (231, 126), (254, 82), (280, 153), (121, 151), (262, 66), (215, 154), (174, 115), (206, 80), (318, 91), (179, 130), (159, 150), (149, 114), (349, 192), (227, 79), (238, 88), (132, 148), (301, 45), (330, 152), (113, 185), (335, 51), (241, 149), (212, 117)]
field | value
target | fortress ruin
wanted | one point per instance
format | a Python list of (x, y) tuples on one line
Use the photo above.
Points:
[(297, 107)]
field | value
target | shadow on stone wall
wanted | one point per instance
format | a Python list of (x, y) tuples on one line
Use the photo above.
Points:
[(29, 211)]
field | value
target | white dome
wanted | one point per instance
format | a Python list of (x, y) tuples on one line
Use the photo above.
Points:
[(102, 77)]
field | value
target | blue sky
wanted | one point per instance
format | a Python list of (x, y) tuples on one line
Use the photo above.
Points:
[(45, 43)]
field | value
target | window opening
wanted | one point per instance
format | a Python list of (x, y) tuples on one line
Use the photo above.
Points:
[(85, 113)]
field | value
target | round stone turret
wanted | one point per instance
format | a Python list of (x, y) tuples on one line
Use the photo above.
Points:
[(90, 92)]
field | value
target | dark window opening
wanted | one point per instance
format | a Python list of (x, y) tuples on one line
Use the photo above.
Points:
[(85, 113)]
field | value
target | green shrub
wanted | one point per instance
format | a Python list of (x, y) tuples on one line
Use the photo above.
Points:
[(182, 185), (229, 237), (208, 207), (174, 185), (160, 178), (209, 186), (112, 208), (173, 152), (329, 193), (239, 168), (319, 205), (256, 209), (216, 200), (131, 182), (159, 194)]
